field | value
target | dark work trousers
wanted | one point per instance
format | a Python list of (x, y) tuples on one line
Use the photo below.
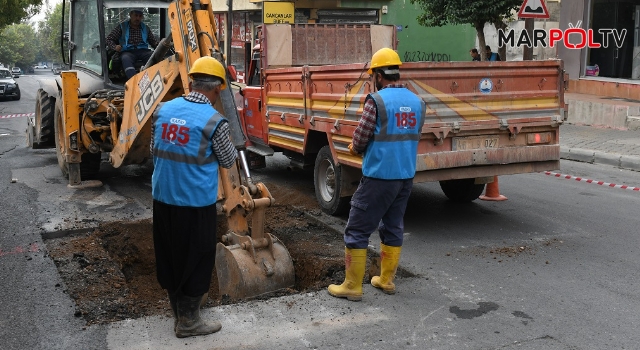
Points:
[(129, 59), (377, 204), (184, 241)]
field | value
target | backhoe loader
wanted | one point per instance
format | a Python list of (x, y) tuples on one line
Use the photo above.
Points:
[(91, 109)]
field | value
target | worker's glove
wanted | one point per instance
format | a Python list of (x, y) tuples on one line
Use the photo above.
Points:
[(352, 151)]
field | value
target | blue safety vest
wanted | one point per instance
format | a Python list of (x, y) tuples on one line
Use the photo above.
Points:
[(391, 153), (185, 167), (125, 43)]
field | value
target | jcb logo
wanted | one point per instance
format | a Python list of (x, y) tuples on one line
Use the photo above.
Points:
[(192, 36), (149, 97)]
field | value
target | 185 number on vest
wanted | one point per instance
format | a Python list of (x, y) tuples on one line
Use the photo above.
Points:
[(406, 119), (173, 133)]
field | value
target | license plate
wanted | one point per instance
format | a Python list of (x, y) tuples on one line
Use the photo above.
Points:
[(476, 142)]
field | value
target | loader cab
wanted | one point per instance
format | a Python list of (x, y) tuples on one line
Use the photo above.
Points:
[(90, 23)]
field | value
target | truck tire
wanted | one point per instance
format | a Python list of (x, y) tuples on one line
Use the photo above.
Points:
[(461, 190), (43, 122), (327, 180), (89, 162)]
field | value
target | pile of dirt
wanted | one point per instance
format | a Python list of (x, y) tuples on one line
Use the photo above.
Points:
[(110, 272)]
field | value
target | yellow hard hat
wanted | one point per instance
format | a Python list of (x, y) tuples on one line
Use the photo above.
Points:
[(208, 65), (383, 58)]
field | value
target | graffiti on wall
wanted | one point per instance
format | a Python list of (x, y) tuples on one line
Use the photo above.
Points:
[(418, 56)]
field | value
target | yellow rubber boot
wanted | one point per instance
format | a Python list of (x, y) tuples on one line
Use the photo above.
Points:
[(389, 259), (355, 261)]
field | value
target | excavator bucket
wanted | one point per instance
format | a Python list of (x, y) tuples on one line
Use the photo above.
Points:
[(246, 273), (249, 261)]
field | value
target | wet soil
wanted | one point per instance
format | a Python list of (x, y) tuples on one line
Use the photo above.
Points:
[(110, 271)]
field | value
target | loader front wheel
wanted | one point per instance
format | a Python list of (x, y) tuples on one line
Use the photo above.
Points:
[(89, 162), (327, 179), (43, 126), (461, 190)]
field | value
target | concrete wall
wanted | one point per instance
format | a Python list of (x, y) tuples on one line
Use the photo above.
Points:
[(418, 43), (515, 53), (572, 11)]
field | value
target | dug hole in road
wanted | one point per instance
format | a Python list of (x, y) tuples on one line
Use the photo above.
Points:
[(110, 271)]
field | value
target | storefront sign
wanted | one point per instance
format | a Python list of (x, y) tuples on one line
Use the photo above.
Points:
[(277, 12)]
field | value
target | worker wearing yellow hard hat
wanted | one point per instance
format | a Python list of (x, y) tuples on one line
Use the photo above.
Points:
[(190, 141), (208, 68), (387, 138)]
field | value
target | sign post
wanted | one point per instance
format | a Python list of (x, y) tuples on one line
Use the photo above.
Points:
[(529, 10)]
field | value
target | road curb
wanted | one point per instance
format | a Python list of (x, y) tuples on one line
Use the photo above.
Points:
[(597, 157), (630, 162)]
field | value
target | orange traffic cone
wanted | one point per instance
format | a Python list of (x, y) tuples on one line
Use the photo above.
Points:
[(492, 192)]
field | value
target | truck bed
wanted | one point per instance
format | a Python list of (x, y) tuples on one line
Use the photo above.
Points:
[(483, 118)]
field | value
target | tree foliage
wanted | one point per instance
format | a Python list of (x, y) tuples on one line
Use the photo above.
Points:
[(14, 11), (437, 13), (16, 45), (22, 45), (50, 32)]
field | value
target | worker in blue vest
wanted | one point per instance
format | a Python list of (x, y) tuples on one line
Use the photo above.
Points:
[(132, 40), (387, 136), (492, 56), (190, 140)]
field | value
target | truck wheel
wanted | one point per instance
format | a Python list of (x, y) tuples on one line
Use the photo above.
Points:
[(89, 162), (43, 121), (461, 190), (326, 178)]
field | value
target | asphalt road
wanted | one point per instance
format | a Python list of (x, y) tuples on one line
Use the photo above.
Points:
[(571, 281)]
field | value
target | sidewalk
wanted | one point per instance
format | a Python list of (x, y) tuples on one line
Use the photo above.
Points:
[(599, 145)]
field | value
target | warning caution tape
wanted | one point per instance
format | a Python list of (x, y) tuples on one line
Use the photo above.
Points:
[(601, 183), (17, 115)]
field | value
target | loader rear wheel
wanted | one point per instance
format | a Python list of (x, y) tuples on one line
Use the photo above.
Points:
[(89, 162), (327, 179), (43, 126), (461, 190)]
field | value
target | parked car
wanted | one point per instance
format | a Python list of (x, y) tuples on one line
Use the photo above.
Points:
[(41, 66), (16, 71), (56, 69), (8, 86)]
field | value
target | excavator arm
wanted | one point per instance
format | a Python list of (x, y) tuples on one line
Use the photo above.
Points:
[(249, 261)]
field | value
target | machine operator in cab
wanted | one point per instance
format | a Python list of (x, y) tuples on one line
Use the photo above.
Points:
[(132, 41)]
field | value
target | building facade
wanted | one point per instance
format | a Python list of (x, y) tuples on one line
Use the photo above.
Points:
[(415, 42), (613, 62)]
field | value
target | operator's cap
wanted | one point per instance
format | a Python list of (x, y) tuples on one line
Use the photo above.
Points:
[(137, 9)]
